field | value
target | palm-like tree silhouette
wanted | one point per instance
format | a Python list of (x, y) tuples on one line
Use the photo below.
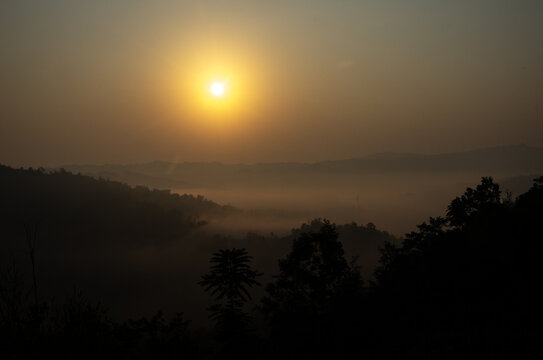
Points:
[(229, 278), (230, 275)]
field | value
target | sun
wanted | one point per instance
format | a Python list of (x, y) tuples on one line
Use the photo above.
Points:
[(217, 89)]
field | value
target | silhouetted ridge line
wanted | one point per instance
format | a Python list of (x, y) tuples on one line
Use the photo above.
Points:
[(506, 160), (79, 206)]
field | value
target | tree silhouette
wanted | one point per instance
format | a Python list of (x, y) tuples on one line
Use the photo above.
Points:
[(229, 278), (315, 296), (464, 285), (485, 196)]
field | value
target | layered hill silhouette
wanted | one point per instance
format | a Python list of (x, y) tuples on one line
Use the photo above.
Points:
[(499, 161), (463, 285), (135, 248)]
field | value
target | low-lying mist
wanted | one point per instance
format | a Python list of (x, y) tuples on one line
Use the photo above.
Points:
[(395, 203), (139, 250), (394, 191)]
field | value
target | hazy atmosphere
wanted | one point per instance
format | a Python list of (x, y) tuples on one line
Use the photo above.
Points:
[(126, 81), (271, 179)]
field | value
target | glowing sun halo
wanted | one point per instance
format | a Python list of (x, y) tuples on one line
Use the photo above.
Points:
[(217, 89)]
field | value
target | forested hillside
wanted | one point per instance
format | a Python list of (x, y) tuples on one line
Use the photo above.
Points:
[(62, 205), (137, 249), (463, 285)]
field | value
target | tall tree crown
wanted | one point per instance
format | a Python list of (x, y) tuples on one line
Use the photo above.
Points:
[(230, 275)]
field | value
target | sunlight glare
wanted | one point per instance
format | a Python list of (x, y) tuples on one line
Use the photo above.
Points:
[(217, 88)]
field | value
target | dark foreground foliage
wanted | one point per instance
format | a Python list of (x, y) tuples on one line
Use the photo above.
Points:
[(77, 329), (463, 286)]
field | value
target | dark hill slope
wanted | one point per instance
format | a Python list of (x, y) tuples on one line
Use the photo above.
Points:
[(68, 207)]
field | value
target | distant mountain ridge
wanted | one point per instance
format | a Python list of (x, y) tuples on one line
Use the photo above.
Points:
[(510, 160), (503, 159)]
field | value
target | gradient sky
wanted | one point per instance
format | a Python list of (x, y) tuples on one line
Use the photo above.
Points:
[(125, 81)]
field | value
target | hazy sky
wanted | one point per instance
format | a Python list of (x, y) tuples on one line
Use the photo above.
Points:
[(127, 81)]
